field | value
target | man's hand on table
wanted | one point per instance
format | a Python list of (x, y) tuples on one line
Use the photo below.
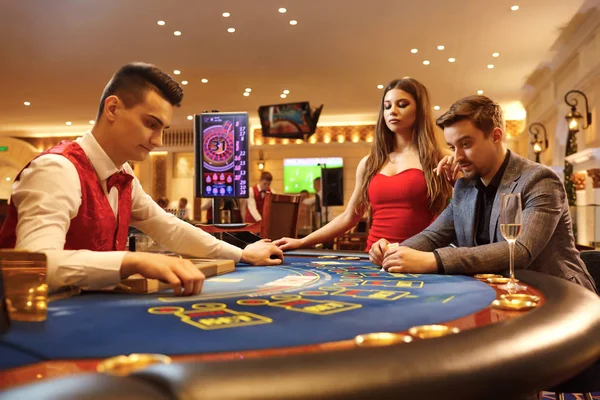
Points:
[(263, 252), (407, 260), (177, 272)]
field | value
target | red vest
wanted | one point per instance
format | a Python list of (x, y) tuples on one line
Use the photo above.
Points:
[(260, 204), (95, 226)]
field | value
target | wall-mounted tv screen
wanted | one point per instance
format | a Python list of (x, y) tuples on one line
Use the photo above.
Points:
[(299, 173), (291, 120), (221, 155)]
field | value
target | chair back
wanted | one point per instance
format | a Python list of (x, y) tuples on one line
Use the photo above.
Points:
[(280, 216), (592, 262)]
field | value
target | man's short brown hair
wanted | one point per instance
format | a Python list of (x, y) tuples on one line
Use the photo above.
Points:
[(481, 110), (266, 176), (131, 82)]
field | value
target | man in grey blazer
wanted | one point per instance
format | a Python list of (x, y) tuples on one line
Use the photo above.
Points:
[(475, 131)]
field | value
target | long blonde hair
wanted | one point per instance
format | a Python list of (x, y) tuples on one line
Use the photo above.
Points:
[(439, 190)]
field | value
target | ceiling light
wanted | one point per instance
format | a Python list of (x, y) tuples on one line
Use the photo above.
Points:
[(490, 66), (495, 54), (246, 94), (293, 22), (441, 47), (26, 103), (8, 179), (282, 10), (68, 123), (480, 92), (379, 87), (226, 15), (92, 122), (436, 108), (204, 80), (184, 82), (283, 95), (190, 117), (286, 91), (176, 71), (177, 33), (514, 8), (451, 59), (230, 30), (161, 23), (426, 62), (248, 90), (414, 51)]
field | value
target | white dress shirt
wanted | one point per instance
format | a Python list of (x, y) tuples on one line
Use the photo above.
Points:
[(252, 204), (48, 196)]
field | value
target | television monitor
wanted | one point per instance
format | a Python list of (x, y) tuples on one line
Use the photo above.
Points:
[(221, 155), (290, 120), (299, 173), (332, 183)]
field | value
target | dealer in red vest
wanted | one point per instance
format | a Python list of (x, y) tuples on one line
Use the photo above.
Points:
[(256, 199), (75, 201)]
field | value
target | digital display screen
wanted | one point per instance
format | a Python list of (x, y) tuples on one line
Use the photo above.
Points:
[(291, 120), (221, 155), (300, 173)]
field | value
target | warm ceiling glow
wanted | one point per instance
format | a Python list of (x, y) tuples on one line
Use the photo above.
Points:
[(490, 66), (312, 139), (299, 141), (68, 123), (271, 141), (426, 62), (26, 103), (282, 10), (480, 92), (451, 59), (246, 94), (177, 33), (414, 51), (204, 80), (248, 89), (176, 71), (286, 91), (184, 83), (341, 138), (283, 95), (293, 22), (513, 111), (285, 141), (436, 108), (230, 30), (441, 47), (258, 142), (161, 23), (8, 179), (370, 139), (355, 139), (379, 87), (327, 138), (92, 122), (514, 8), (226, 15), (190, 117), (495, 54)]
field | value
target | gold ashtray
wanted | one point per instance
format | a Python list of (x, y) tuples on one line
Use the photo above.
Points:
[(499, 281), (381, 339), (124, 365), (349, 258), (431, 331), (487, 276), (521, 296), (514, 304), (329, 257)]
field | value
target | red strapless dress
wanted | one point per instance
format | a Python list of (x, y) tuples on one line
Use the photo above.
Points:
[(400, 206)]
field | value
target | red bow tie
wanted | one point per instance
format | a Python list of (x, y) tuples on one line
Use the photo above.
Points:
[(119, 179)]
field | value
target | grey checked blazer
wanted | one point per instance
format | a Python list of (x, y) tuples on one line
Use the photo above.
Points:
[(546, 243)]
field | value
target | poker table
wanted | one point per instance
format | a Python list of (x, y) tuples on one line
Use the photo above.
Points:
[(303, 328)]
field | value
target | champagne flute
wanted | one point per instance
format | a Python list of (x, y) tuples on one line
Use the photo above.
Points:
[(511, 220)]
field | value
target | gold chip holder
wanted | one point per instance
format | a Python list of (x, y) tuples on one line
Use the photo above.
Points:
[(124, 365), (516, 302)]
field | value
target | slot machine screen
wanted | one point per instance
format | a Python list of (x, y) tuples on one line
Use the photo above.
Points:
[(221, 155)]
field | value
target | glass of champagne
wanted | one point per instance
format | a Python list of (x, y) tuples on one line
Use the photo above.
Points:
[(511, 220)]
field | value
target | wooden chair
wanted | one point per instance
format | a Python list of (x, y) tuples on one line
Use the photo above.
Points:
[(279, 218), (355, 238)]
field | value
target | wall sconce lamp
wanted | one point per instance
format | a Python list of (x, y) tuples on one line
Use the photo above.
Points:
[(539, 144), (261, 161), (574, 117)]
